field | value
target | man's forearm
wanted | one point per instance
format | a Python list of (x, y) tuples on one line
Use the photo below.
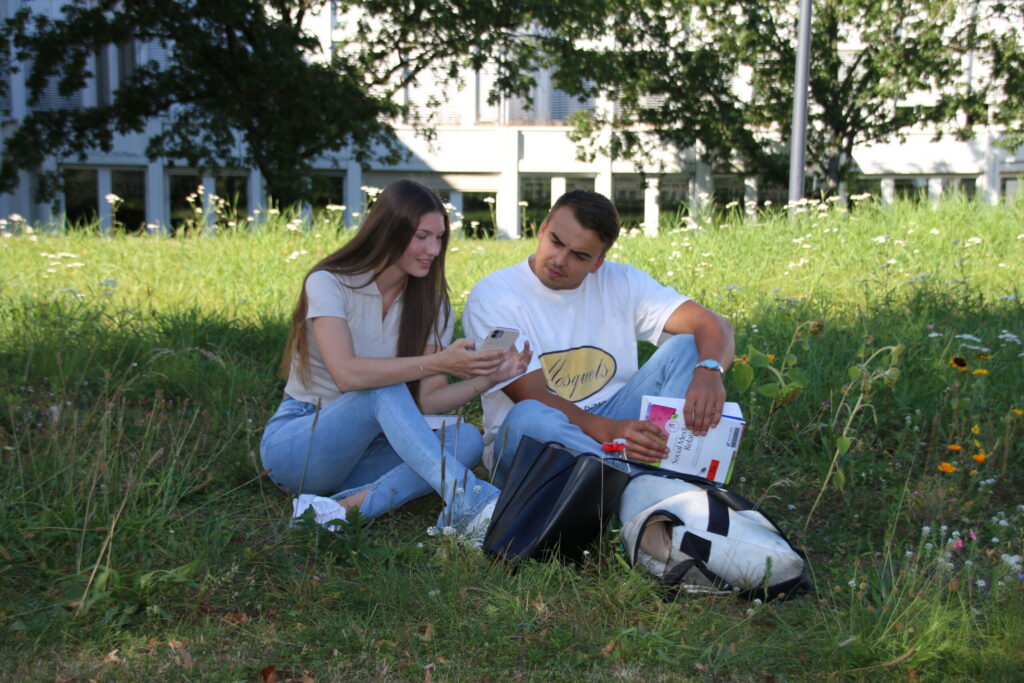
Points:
[(714, 339), (594, 426)]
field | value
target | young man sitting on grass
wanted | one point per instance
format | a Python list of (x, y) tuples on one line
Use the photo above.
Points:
[(583, 316)]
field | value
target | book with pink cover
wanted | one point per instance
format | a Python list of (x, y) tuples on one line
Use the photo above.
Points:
[(711, 456)]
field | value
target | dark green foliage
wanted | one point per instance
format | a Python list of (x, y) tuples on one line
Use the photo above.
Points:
[(246, 83), (878, 69)]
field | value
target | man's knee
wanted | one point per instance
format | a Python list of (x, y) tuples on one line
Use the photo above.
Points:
[(678, 345), (530, 411)]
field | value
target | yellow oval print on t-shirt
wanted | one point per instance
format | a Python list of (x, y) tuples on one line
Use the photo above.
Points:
[(576, 374)]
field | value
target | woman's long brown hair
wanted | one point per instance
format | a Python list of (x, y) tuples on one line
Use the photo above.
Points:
[(385, 233)]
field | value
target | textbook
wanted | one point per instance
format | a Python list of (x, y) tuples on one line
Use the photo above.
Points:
[(711, 456)]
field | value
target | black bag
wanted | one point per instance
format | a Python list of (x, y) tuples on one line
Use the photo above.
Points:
[(556, 502)]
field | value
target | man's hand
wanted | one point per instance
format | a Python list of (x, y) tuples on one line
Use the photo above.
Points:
[(705, 399), (644, 441), (515, 364)]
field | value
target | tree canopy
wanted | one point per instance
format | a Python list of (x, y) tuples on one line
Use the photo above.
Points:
[(245, 82), (721, 73), (1000, 98)]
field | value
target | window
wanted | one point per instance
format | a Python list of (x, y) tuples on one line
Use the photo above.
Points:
[(563, 104), (674, 195), (5, 95), (234, 191), (81, 195), (486, 112), (130, 186), (328, 189), (184, 200), (127, 61), (1011, 189), (478, 214), (520, 112), (913, 189), (536, 192), (579, 183), (50, 99), (862, 185), (628, 196), (102, 61), (954, 186), (728, 189)]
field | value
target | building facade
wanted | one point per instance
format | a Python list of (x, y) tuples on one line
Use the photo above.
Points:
[(499, 164)]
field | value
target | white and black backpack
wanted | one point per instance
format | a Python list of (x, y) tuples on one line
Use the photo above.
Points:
[(693, 535)]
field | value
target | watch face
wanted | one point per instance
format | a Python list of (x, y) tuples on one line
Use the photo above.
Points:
[(710, 364)]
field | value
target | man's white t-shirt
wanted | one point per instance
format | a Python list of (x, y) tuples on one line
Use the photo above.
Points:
[(584, 339)]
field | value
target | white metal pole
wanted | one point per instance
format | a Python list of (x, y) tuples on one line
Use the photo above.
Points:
[(798, 138)]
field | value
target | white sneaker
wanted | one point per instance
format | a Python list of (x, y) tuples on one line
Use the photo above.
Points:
[(325, 510), (476, 528)]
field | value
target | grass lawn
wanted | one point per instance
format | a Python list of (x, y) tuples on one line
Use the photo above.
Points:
[(882, 372)]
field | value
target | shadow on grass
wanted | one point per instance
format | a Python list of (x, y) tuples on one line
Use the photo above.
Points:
[(134, 501)]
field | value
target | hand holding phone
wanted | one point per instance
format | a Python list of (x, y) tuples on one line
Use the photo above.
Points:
[(499, 338)]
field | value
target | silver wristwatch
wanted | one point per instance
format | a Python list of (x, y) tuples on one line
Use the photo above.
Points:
[(711, 364)]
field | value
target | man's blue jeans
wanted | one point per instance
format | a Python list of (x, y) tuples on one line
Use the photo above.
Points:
[(667, 373), (375, 439)]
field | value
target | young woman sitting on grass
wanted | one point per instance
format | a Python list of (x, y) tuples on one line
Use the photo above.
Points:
[(370, 346)]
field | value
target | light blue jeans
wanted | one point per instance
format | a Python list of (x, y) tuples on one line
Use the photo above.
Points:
[(375, 439), (666, 373)]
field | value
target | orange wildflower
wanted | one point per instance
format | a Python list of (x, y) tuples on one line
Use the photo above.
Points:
[(979, 457), (980, 371), (955, 447), (958, 362), (1017, 411), (947, 467)]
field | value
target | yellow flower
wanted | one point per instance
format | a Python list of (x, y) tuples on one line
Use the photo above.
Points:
[(1017, 411), (958, 362), (976, 429), (980, 371), (771, 357), (955, 447), (979, 457), (947, 467)]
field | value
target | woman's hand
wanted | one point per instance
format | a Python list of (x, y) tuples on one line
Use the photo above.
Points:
[(463, 362), (514, 364)]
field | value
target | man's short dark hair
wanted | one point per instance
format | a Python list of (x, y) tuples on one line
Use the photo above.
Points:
[(593, 211)]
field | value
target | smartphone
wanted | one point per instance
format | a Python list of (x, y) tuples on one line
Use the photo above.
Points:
[(499, 338)]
